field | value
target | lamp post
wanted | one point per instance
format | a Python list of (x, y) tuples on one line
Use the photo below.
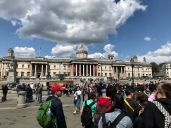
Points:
[(132, 64)]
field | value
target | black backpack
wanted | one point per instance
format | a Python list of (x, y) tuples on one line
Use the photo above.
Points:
[(86, 117), (114, 123), (100, 110)]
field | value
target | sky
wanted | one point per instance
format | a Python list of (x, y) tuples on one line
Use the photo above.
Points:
[(56, 28)]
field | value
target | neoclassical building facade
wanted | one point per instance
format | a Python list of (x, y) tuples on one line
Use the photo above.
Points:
[(79, 67)]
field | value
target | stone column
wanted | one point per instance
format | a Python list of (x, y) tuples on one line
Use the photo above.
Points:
[(42, 70), (2, 70), (90, 69), (72, 69), (83, 70), (35, 70), (117, 69), (86, 69), (93, 70), (31, 70), (46, 71), (76, 69), (21, 99), (79, 69)]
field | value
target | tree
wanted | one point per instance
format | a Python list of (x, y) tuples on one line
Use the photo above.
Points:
[(155, 68)]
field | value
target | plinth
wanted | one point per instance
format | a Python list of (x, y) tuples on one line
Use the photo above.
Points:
[(21, 99)]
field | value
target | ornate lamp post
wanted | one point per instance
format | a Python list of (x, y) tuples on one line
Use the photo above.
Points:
[(132, 65)]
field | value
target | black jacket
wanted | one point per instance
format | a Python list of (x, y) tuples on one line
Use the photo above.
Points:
[(152, 117), (57, 110), (4, 89), (129, 112)]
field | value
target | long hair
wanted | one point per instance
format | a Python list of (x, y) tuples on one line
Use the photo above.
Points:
[(165, 88)]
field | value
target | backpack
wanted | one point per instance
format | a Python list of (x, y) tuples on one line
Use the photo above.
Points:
[(167, 116), (44, 116), (114, 123), (100, 110), (86, 117)]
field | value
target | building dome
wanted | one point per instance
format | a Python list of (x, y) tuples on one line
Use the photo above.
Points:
[(82, 52), (82, 49)]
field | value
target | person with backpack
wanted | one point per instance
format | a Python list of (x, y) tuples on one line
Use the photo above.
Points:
[(50, 114), (157, 114), (116, 118), (103, 105), (87, 111), (131, 106)]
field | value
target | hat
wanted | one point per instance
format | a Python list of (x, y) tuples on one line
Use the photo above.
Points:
[(56, 87)]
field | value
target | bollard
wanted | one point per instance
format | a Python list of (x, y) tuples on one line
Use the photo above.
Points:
[(21, 99)]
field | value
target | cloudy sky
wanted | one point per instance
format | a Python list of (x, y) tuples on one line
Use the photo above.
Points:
[(56, 28)]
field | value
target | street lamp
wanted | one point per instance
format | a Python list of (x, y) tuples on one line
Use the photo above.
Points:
[(132, 64)]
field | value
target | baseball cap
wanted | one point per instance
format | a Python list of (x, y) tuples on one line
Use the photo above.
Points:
[(56, 87)]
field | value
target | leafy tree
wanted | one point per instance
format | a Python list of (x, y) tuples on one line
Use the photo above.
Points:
[(155, 67)]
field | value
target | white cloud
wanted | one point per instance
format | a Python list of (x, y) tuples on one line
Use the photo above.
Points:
[(96, 55), (147, 38), (24, 52), (68, 20), (49, 57), (108, 49), (64, 50), (163, 54)]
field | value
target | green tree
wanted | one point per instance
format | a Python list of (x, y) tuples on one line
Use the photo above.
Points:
[(155, 67)]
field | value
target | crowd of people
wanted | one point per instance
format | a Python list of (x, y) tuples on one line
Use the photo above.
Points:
[(102, 105), (119, 106)]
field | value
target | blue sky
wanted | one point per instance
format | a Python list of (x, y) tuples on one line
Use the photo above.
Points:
[(126, 28)]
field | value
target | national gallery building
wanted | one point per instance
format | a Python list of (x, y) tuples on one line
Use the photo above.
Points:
[(73, 68)]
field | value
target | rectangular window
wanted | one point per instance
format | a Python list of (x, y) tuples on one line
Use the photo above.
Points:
[(22, 65), (105, 74), (98, 74), (28, 73), (22, 74)]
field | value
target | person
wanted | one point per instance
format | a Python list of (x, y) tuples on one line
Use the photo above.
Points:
[(152, 88), (4, 91), (131, 107), (104, 105), (29, 94), (56, 107), (142, 99), (152, 116), (91, 100), (39, 90), (77, 100), (108, 119)]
